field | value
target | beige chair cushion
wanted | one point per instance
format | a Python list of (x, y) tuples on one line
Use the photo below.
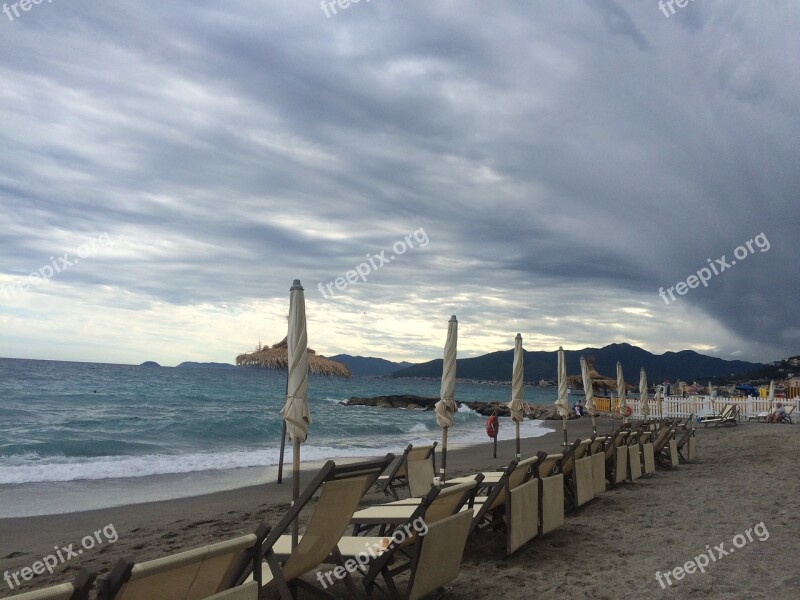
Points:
[(248, 591), (673, 453), (584, 480), (192, 575), (420, 476), (599, 473), (634, 462), (649, 459), (442, 551), (524, 522), (692, 449), (621, 464), (57, 592), (552, 503)]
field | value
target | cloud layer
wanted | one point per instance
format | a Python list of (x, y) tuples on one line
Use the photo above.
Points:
[(565, 159)]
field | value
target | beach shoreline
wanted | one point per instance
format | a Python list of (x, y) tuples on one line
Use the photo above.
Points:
[(679, 511)]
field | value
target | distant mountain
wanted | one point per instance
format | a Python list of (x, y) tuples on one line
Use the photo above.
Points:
[(204, 365), (149, 363), (496, 366), (369, 366)]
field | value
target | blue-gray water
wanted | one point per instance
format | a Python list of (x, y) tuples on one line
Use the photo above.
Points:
[(62, 422)]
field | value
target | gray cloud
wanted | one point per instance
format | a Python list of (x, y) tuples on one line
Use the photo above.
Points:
[(566, 160)]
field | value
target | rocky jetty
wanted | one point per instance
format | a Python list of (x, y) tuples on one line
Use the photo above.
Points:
[(410, 402)]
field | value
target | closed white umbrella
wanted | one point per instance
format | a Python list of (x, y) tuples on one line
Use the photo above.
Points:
[(644, 404), (588, 393), (516, 406), (621, 392), (659, 399), (772, 393), (446, 406), (295, 411), (561, 401)]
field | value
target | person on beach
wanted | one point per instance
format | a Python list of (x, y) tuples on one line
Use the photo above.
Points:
[(778, 415), (578, 408)]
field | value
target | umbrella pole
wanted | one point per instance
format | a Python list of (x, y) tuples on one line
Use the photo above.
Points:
[(494, 440), (443, 468), (564, 422), (594, 424), (280, 460), (295, 490), (519, 454)]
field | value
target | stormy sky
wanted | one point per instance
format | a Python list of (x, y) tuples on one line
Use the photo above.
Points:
[(531, 166)]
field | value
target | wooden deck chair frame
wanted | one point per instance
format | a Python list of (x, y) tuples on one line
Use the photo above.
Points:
[(577, 471), (346, 483), (75, 590), (396, 477), (547, 472), (663, 448), (247, 591), (648, 455), (687, 446), (189, 572)]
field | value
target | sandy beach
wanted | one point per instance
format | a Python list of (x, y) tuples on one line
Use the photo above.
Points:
[(610, 548)]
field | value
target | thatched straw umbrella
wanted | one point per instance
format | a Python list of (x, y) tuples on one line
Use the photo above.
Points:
[(600, 383), (277, 357)]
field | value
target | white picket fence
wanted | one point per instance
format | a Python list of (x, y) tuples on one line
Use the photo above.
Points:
[(679, 407)]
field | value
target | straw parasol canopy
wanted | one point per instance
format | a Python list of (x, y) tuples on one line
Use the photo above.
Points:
[(277, 357), (599, 382)]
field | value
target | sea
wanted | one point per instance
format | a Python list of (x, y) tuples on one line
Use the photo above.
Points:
[(78, 436)]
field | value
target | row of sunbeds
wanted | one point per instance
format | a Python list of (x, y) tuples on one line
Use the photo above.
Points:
[(422, 531)]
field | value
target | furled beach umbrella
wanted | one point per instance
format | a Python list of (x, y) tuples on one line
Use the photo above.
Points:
[(659, 399), (644, 404), (516, 405), (446, 406), (295, 411), (772, 393), (621, 392), (561, 402), (277, 357), (588, 393)]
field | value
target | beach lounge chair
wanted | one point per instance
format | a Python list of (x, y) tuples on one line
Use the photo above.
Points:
[(396, 476), (340, 489), (665, 448), (76, 590), (432, 560), (634, 457), (195, 574), (616, 456), (728, 416), (648, 455), (512, 504), (787, 418), (597, 451), (686, 447), (551, 491), (578, 474)]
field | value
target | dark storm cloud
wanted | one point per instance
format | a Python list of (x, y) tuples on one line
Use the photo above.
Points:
[(593, 145)]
